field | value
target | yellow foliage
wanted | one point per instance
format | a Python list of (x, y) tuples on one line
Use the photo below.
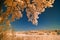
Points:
[(33, 9)]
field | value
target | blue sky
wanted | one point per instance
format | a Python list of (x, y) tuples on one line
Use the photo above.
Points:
[(48, 20)]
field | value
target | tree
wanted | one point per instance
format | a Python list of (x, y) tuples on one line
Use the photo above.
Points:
[(14, 9)]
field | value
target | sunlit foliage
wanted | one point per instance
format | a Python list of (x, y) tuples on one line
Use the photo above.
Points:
[(14, 9)]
